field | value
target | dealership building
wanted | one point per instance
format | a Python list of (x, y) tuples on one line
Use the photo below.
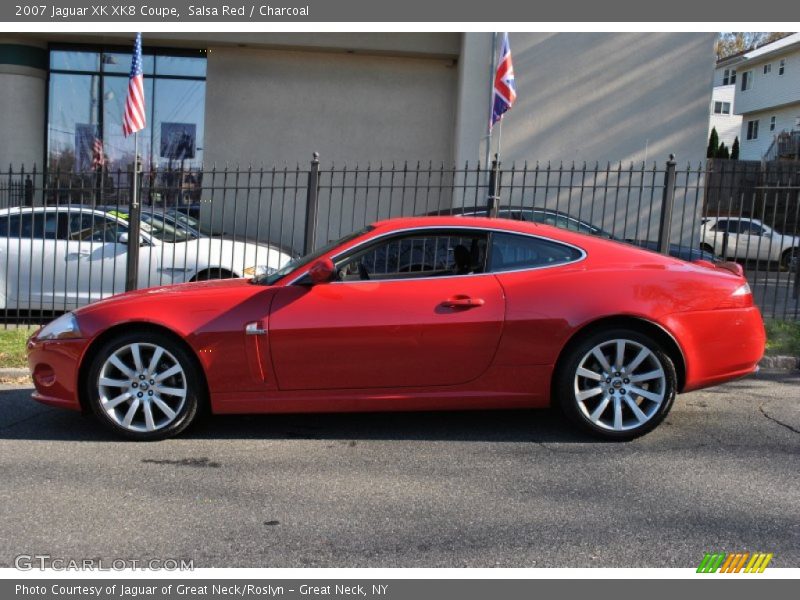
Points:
[(274, 98)]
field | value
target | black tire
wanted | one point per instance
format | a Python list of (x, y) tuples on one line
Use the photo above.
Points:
[(707, 248), (790, 258), (191, 406), (565, 395)]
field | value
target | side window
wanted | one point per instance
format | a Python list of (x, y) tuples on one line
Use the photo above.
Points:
[(93, 227), (37, 226), (752, 228), (512, 251), (414, 256), (721, 226)]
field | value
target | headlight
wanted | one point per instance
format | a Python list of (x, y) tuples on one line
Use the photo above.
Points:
[(258, 270), (64, 327)]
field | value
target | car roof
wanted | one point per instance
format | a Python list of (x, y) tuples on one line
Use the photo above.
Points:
[(460, 222)]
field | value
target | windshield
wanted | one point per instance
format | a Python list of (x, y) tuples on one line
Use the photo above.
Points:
[(302, 261), (189, 221), (165, 229)]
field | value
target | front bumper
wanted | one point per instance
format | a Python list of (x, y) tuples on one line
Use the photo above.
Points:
[(54, 368)]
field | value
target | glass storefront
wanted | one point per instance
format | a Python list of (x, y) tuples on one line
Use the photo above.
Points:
[(87, 91)]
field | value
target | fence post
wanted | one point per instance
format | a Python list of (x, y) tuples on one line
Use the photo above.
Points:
[(134, 214), (493, 201), (666, 206), (312, 204)]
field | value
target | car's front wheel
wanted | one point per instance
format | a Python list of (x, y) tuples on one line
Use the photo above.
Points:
[(617, 384), (144, 386)]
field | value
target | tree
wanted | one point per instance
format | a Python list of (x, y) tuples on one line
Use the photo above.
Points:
[(713, 143), (730, 42), (722, 151), (735, 149)]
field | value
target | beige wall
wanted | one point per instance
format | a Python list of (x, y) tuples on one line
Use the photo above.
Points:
[(604, 96), (22, 110), (272, 106), (22, 93)]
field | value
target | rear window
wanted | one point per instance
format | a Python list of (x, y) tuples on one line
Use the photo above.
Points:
[(510, 252)]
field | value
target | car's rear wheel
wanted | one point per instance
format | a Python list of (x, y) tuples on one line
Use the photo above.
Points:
[(617, 384), (144, 386)]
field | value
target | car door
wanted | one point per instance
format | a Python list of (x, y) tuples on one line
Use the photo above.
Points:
[(725, 236), (409, 310), (96, 260), (30, 249)]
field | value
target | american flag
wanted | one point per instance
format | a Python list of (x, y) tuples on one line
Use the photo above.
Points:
[(505, 91), (98, 159), (134, 120)]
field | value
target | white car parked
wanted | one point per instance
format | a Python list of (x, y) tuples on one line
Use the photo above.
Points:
[(750, 239), (60, 258)]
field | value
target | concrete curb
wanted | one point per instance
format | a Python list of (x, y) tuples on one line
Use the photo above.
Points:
[(14, 372), (783, 363)]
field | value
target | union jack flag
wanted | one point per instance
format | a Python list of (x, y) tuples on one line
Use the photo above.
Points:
[(505, 91), (134, 120)]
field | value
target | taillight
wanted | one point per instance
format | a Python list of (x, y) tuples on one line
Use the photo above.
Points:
[(741, 297), (742, 290)]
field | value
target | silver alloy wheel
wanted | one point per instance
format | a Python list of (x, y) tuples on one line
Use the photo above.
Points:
[(620, 385), (142, 387)]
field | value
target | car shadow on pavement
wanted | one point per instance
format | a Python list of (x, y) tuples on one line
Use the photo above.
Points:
[(23, 419)]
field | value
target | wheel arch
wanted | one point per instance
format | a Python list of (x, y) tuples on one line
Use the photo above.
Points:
[(644, 326), (138, 326)]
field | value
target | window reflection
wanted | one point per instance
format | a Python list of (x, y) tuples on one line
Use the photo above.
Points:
[(87, 98)]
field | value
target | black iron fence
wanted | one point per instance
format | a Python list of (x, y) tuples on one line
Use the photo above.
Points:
[(68, 238)]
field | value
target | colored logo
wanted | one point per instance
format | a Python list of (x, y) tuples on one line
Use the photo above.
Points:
[(740, 562)]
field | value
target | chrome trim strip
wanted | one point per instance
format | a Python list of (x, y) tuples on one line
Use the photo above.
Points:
[(455, 227)]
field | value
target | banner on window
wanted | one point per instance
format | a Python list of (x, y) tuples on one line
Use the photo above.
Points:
[(178, 140)]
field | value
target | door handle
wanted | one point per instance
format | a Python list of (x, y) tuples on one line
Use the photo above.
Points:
[(254, 328), (78, 254), (463, 302)]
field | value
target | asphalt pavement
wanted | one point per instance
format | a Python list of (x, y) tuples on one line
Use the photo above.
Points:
[(469, 489)]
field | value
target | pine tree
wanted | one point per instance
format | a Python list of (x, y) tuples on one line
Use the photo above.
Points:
[(735, 149), (722, 151), (713, 143)]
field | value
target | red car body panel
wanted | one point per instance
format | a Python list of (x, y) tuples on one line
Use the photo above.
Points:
[(393, 345)]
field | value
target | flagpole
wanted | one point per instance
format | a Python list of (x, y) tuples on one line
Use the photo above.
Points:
[(132, 266), (492, 69), (499, 139)]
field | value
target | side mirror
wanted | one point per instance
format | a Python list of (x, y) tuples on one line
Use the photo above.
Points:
[(321, 271), (123, 238)]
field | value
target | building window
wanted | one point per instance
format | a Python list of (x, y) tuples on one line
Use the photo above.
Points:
[(729, 77), (752, 130), (747, 80), (772, 123), (767, 68), (782, 66), (722, 108), (87, 91)]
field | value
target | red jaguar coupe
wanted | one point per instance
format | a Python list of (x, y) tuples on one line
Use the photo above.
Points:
[(427, 313)]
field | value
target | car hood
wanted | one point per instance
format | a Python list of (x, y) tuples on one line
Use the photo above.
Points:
[(236, 255), (211, 289)]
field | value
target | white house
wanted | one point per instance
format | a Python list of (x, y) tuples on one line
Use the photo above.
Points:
[(722, 112), (768, 97)]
